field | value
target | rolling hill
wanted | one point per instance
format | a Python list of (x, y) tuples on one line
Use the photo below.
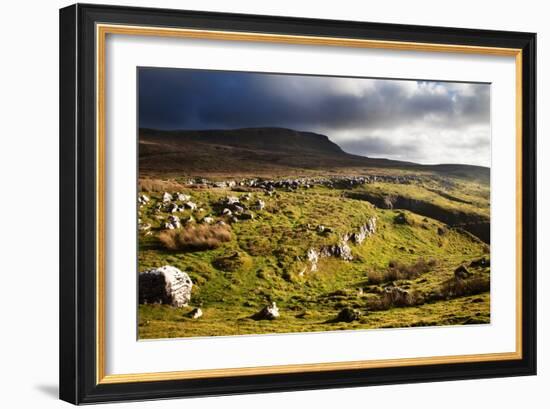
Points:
[(266, 152)]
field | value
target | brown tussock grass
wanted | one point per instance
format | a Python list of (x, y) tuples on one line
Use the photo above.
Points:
[(400, 271), (194, 238), (157, 185)]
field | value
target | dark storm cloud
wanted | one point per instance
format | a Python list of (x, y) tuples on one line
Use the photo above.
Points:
[(407, 120)]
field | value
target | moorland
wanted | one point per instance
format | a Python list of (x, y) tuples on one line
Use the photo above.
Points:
[(337, 241)]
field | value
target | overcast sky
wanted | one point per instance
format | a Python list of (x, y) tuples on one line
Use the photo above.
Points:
[(418, 121)]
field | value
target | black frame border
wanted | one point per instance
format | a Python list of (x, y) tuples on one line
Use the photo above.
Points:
[(78, 197)]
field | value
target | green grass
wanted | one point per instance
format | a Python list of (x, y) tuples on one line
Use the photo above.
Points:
[(264, 259)]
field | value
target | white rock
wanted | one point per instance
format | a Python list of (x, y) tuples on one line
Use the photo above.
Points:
[(259, 205), (196, 313), (182, 197), (232, 200), (313, 257), (166, 197), (269, 312), (166, 285)]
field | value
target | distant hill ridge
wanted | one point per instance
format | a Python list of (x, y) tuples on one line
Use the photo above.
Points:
[(268, 139), (264, 150)]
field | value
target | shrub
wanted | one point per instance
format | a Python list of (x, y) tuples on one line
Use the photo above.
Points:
[(196, 238), (400, 271), (456, 287)]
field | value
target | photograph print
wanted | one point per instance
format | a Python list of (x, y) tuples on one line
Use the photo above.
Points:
[(284, 203)]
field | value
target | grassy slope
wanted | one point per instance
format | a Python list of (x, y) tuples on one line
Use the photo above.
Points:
[(270, 252)]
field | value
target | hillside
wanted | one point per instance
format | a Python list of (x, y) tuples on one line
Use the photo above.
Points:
[(337, 241), (266, 152)]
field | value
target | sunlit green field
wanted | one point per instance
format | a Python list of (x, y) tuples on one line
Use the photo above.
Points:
[(266, 260)]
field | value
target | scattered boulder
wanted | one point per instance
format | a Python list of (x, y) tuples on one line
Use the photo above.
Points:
[(182, 197), (174, 221), (269, 312), (462, 273), (237, 209), (143, 199), (259, 205), (165, 285), (167, 197), (208, 220), (348, 314), (196, 313), (191, 205), (230, 200), (226, 212), (174, 208)]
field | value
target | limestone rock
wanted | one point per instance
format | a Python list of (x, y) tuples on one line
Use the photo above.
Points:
[(182, 197), (165, 285), (208, 220), (269, 312), (313, 258), (196, 313), (143, 199), (259, 205)]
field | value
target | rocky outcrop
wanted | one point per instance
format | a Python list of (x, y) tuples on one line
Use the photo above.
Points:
[(476, 224), (342, 249), (364, 231), (313, 258), (165, 285)]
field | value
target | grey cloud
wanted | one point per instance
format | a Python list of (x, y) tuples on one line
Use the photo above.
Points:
[(408, 120)]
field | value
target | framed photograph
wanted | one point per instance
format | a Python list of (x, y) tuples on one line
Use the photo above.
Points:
[(258, 203)]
